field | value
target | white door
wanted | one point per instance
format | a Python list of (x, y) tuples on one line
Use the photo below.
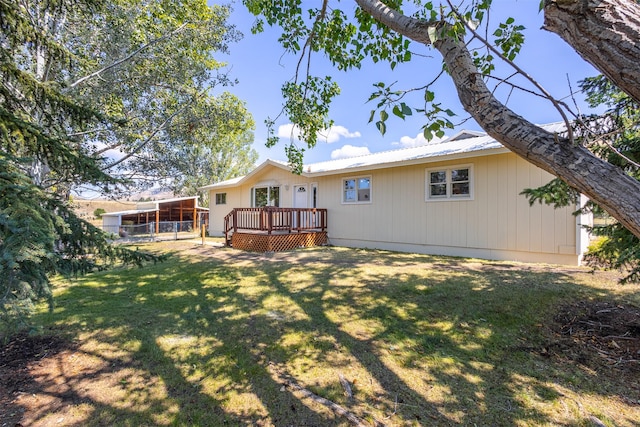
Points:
[(300, 200), (300, 196)]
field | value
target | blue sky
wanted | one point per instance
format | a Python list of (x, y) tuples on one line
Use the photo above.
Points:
[(258, 63)]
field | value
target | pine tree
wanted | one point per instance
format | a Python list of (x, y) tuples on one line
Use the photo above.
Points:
[(40, 159)]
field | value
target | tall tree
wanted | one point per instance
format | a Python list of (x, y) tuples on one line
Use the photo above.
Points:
[(604, 32), (163, 91), (189, 156), (78, 78)]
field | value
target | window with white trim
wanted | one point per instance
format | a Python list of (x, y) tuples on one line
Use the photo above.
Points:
[(265, 196), (451, 183), (221, 198), (356, 190)]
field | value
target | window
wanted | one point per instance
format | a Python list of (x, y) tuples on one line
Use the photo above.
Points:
[(314, 195), (356, 190), (265, 196), (221, 198), (454, 183)]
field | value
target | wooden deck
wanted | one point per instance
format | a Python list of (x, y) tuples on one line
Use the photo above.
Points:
[(273, 229)]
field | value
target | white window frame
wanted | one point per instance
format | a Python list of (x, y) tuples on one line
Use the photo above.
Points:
[(270, 198), (449, 196), (356, 189), (222, 196)]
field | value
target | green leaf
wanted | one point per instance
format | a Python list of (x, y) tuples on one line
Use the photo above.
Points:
[(429, 96), (397, 111)]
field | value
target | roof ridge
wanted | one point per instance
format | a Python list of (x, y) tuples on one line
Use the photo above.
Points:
[(400, 149)]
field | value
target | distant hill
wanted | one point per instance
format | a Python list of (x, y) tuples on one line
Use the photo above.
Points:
[(86, 207), (152, 193)]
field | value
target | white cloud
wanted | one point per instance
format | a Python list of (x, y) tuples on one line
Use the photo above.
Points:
[(408, 142), (289, 131), (336, 132), (349, 151), (333, 134)]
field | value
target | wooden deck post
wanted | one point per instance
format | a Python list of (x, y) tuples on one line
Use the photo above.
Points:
[(235, 220)]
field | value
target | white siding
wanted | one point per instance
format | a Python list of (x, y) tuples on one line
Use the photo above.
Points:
[(111, 223)]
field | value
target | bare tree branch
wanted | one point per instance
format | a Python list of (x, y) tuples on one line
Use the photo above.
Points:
[(519, 70)]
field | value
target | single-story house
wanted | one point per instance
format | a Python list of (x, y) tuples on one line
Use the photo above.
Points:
[(183, 210), (459, 197)]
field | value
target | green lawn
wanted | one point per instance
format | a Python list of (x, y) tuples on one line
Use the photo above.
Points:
[(206, 338)]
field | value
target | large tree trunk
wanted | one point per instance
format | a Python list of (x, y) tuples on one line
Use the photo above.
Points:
[(606, 33), (602, 182)]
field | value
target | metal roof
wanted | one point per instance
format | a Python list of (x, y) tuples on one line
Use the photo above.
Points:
[(129, 212), (461, 145)]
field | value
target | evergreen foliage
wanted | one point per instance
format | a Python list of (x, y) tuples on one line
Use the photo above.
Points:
[(615, 137), (79, 78)]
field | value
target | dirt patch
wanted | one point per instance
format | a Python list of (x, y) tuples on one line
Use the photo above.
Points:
[(50, 380), (17, 358), (601, 336)]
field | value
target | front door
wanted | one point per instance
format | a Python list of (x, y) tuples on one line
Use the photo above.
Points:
[(300, 200), (300, 196)]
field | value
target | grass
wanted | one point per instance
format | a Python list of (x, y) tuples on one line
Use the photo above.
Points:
[(201, 339)]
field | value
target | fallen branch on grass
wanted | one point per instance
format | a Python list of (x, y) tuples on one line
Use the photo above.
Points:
[(346, 386), (288, 382)]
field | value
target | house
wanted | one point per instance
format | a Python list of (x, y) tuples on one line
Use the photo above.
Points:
[(179, 214), (459, 197)]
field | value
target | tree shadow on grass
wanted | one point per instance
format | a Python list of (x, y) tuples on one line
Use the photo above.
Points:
[(195, 341), (168, 327)]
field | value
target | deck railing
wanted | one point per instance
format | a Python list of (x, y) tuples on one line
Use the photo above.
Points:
[(270, 218)]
